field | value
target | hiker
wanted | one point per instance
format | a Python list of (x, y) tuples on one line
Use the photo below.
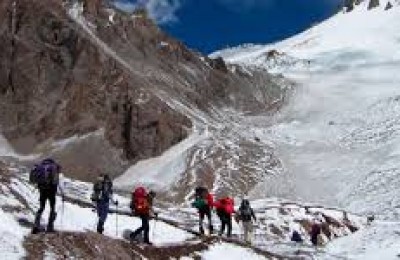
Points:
[(102, 195), (225, 209), (246, 215), (46, 175), (204, 203), (296, 237), (142, 206), (315, 232)]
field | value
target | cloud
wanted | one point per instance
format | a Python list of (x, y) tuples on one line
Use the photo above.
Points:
[(162, 11)]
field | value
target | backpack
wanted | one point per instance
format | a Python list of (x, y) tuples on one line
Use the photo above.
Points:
[(225, 206), (245, 211), (45, 174), (140, 204), (201, 192), (102, 191), (202, 198), (229, 206)]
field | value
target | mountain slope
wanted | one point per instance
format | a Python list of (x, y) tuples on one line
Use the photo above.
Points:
[(339, 132), (338, 138), (102, 90)]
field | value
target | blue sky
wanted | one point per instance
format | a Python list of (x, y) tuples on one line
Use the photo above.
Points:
[(209, 25)]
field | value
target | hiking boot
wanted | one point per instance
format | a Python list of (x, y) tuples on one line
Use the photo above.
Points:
[(148, 243), (211, 228), (100, 230), (201, 230), (50, 229), (35, 230), (132, 236)]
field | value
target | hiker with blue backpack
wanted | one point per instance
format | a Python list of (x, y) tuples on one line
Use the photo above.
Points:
[(46, 175), (101, 196)]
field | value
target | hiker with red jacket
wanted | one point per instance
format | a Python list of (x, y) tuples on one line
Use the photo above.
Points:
[(204, 203), (46, 175), (142, 206), (225, 209)]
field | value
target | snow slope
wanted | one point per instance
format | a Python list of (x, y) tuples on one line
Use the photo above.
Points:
[(340, 132), (339, 136), (162, 171), (5, 148)]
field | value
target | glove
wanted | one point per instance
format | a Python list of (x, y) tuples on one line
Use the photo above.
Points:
[(155, 214), (116, 202)]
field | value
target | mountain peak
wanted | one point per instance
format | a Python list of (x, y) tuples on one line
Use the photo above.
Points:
[(350, 5)]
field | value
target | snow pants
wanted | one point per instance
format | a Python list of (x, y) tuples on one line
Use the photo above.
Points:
[(247, 230), (145, 228), (46, 193), (103, 207), (206, 212)]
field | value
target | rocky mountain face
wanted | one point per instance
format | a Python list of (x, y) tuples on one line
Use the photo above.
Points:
[(100, 89)]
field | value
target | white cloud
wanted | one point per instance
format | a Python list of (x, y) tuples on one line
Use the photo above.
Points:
[(162, 11)]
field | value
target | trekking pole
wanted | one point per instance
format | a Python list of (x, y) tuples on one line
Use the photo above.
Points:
[(154, 228), (62, 213), (116, 219)]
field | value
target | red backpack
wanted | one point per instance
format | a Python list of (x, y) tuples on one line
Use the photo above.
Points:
[(229, 206), (140, 203), (225, 205), (210, 200)]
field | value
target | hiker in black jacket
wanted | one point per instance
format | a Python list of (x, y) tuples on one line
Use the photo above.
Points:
[(102, 195), (246, 215)]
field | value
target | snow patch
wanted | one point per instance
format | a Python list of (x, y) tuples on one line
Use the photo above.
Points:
[(223, 250), (11, 237), (162, 171), (5, 147)]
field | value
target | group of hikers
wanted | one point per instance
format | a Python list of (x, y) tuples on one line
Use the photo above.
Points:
[(46, 175), (225, 209)]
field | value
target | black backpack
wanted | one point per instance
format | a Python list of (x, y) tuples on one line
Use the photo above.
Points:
[(245, 211), (102, 190), (200, 193)]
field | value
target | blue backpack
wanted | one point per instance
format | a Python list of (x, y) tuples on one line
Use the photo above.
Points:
[(45, 173)]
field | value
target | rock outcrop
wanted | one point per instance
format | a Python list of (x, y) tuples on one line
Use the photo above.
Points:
[(373, 4), (101, 89)]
